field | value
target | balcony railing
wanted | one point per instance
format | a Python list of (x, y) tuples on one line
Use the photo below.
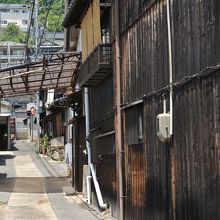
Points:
[(97, 65)]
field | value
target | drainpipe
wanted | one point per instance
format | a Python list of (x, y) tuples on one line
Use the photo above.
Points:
[(170, 66), (118, 112), (38, 121), (91, 170), (88, 147), (97, 188), (171, 152)]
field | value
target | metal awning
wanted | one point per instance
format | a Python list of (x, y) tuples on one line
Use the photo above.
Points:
[(54, 71)]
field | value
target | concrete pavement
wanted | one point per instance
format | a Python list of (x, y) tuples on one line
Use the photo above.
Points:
[(31, 187)]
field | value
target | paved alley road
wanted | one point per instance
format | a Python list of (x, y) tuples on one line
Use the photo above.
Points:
[(31, 188)]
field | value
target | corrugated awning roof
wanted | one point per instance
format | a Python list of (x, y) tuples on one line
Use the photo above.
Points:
[(53, 72)]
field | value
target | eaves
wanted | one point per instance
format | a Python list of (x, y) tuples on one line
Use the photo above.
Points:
[(75, 12)]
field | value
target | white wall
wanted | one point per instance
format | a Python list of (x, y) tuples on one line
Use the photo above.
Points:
[(69, 115), (15, 14)]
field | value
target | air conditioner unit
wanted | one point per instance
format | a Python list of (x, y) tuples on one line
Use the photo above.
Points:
[(163, 127)]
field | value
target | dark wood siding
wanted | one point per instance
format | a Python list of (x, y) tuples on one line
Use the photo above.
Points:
[(144, 51), (101, 99), (157, 164), (135, 195), (102, 117), (197, 147), (106, 172), (103, 139), (182, 177), (195, 34)]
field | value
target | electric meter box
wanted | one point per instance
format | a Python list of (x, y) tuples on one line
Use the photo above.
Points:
[(163, 126)]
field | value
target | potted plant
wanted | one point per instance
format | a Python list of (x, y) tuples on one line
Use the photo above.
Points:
[(46, 143)]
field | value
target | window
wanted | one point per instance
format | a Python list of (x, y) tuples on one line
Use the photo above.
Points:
[(24, 22), (24, 11), (105, 25), (4, 21), (17, 52), (4, 10), (16, 11), (3, 52), (134, 125)]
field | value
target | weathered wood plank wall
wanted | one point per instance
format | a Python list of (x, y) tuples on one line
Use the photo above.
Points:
[(196, 30), (106, 172), (103, 147), (182, 179), (157, 165), (196, 144)]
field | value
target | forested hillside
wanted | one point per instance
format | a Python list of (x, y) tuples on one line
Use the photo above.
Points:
[(55, 15)]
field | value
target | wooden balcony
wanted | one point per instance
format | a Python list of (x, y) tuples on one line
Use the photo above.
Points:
[(97, 66)]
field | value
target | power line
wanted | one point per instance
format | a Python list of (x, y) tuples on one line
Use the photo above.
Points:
[(28, 33), (45, 22)]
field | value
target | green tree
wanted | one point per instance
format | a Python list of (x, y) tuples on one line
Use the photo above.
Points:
[(14, 1), (55, 15), (12, 33)]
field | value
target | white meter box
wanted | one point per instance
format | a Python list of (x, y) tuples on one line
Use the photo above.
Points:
[(163, 127)]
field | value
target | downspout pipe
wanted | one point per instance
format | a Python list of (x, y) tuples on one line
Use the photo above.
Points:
[(91, 170), (88, 147), (97, 188), (118, 111), (170, 63), (88, 183)]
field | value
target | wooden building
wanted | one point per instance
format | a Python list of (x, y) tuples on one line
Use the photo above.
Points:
[(140, 176), (96, 73)]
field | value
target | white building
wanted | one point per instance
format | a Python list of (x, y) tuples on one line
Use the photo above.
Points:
[(11, 54), (15, 13)]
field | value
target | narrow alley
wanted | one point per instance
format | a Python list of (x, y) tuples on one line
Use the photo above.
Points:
[(121, 95), (32, 187)]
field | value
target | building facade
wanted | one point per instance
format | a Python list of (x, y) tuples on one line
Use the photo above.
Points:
[(15, 13), (11, 54), (165, 58)]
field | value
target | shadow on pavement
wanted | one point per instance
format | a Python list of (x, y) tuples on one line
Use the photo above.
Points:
[(3, 176), (5, 157), (33, 184), (13, 148)]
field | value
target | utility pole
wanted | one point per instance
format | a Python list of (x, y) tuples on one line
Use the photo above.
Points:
[(9, 55), (36, 59), (36, 29)]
